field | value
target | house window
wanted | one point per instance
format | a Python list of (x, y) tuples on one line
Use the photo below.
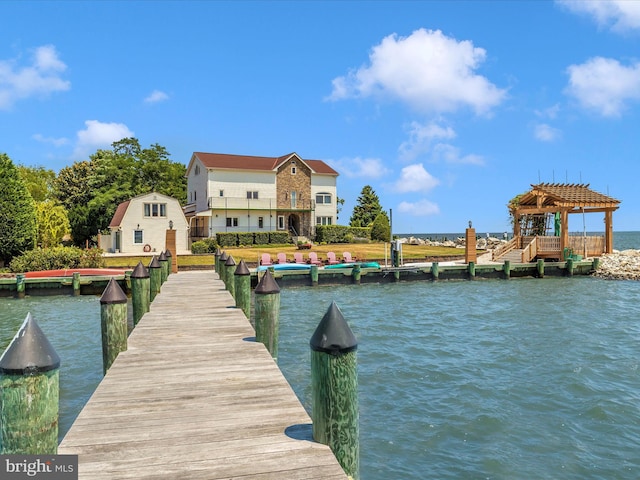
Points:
[(260, 222), (324, 221), (280, 222), (293, 170), (232, 221), (138, 237), (197, 170), (323, 198), (293, 199), (221, 193), (253, 195), (156, 209)]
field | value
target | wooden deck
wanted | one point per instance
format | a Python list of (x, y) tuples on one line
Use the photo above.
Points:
[(194, 397)]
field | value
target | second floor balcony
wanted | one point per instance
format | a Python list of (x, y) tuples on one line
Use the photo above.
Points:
[(272, 204)]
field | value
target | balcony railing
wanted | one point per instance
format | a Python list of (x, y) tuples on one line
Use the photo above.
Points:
[(238, 203)]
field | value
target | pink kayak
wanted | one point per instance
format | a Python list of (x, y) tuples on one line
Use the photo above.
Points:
[(68, 272)]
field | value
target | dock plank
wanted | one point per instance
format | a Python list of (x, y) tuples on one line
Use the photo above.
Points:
[(195, 397)]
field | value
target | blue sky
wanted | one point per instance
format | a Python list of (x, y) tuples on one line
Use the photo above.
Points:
[(447, 109)]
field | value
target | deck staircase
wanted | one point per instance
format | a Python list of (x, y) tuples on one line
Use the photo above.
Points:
[(514, 256)]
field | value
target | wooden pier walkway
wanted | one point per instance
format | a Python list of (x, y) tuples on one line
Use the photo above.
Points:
[(195, 397)]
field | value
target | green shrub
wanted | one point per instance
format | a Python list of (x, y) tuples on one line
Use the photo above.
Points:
[(340, 233), (261, 238), (280, 237), (57, 258), (227, 239), (207, 245), (380, 230), (245, 238)]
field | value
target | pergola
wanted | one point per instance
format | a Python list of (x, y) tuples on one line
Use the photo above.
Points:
[(564, 199)]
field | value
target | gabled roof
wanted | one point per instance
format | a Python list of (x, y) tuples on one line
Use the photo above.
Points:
[(122, 208), (247, 162), (565, 195)]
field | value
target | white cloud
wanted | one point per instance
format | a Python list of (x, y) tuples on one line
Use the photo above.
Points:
[(426, 70), (41, 77), (551, 112), (414, 178), (619, 15), (604, 85), (99, 135), (421, 137), (420, 208), (156, 96), (358, 167), (56, 142), (450, 154), (546, 133)]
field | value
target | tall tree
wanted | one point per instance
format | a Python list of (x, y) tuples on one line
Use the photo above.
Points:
[(39, 181), (17, 212), (53, 223), (367, 208)]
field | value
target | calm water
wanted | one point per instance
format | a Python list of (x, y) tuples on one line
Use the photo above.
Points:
[(516, 379)]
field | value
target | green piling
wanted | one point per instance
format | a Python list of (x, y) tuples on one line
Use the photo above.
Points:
[(222, 260), (167, 253), (216, 261), (396, 275), (267, 313), (20, 285), (113, 319), (140, 292), (540, 268), (596, 263), (570, 267), (76, 283), (155, 278), (334, 385), (472, 270), (164, 264), (230, 270), (29, 394), (434, 270), (242, 280), (506, 268), (313, 271), (356, 274)]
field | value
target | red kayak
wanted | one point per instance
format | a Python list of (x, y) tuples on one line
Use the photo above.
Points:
[(68, 272)]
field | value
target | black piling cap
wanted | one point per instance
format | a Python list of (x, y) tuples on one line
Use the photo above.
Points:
[(230, 262), (163, 257), (155, 263), (333, 334), (217, 252), (113, 293), (29, 353), (242, 269), (223, 257), (267, 284), (167, 253), (140, 271)]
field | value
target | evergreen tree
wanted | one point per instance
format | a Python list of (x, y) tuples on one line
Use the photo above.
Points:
[(17, 212), (367, 208), (381, 229)]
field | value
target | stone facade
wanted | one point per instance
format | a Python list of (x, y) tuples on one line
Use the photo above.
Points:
[(294, 178)]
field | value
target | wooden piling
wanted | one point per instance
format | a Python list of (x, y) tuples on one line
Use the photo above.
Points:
[(434, 270), (242, 280), (216, 261), (140, 292), (540, 268), (29, 393), (20, 285), (313, 271), (506, 268), (267, 313), (113, 320), (172, 263), (164, 263), (222, 260), (76, 284), (155, 278), (230, 270), (472, 270), (356, 274), (396, 275), (334, 384), (570, 267)]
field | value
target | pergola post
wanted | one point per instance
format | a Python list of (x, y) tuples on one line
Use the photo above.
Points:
[(564, 229), (608, 231)]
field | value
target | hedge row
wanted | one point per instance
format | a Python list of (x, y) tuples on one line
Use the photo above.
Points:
[(57, 258), (340, 233), (236, 239)]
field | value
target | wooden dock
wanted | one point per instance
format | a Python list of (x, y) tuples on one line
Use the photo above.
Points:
[(195, 397)]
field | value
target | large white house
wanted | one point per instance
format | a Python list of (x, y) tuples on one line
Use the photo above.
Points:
[(238, 193), (140, 225)]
